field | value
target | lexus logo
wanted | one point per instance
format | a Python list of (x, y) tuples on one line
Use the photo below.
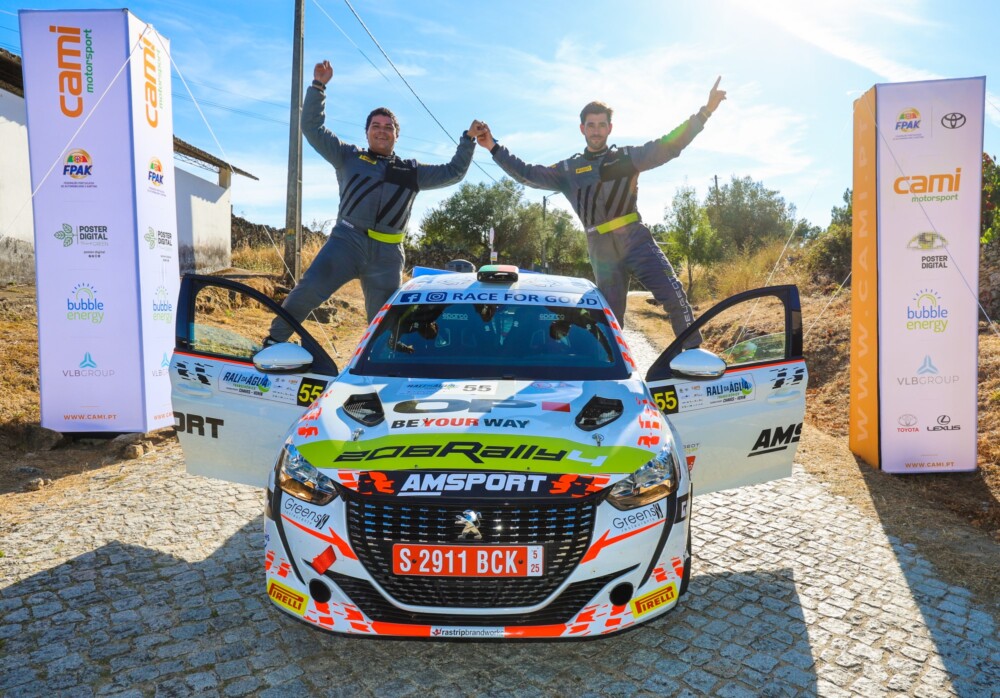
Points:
[(944, 420), (953, 120), (470, 521), (907, 420)]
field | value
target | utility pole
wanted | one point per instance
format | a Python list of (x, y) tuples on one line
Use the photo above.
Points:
[(293, 200)]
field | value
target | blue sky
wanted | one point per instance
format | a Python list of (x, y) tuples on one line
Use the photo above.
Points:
[(792, 71)]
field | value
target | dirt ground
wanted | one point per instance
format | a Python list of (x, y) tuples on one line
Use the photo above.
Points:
[(953, 519)]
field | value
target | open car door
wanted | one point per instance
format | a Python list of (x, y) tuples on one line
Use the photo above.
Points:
[(739, 418), (234, 402)]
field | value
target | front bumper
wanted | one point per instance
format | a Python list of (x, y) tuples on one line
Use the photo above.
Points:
[(606, 570)]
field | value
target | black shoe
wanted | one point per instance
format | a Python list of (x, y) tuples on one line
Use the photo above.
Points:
[(268, 341)]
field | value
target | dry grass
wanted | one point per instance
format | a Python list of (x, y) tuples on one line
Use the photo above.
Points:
[(269, 259)]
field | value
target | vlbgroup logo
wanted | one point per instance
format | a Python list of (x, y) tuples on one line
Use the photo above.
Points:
[(84, 306), (926, 374), (88, 368)]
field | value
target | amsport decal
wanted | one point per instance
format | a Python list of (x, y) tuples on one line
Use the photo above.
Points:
[(447, 484), (483, 451)]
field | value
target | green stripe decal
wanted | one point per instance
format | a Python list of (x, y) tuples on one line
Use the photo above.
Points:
[(474, 452)]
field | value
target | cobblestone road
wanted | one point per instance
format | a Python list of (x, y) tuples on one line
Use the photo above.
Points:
[(150, 581)]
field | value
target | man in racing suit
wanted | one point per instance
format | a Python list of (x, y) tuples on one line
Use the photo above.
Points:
[(601, 185), (377, 189)]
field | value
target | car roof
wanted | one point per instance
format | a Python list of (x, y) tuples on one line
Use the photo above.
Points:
[(526, 282)]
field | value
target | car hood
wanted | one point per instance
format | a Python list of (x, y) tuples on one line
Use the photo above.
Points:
[(503, 425)]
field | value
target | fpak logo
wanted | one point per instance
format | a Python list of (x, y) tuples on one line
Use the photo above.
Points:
[(84, 306), (163, 309), (908, 124), (78, 165), (155, 173), (927, 312)]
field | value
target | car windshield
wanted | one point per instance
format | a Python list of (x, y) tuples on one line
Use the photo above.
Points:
[(466, 340)]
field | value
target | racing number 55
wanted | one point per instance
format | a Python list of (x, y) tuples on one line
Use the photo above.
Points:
[(666, 399), (309, 391)]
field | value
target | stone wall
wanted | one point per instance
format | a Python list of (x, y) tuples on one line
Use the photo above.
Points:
[(989, 278)]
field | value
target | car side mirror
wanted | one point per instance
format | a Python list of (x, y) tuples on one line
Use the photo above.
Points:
[(283, 358), (697, 364)]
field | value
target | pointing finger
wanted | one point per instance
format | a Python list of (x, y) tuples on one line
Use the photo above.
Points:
[(717, 81)]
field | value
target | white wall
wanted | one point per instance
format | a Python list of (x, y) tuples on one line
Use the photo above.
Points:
[(15, 182), (204, 223), (204, 210)]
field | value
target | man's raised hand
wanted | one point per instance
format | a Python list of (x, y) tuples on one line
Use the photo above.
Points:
[(323, 72), (716, 96)]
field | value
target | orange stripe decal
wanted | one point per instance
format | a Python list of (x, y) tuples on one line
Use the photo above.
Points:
[(333, 538)]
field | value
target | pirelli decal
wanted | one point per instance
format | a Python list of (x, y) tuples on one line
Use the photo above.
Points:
[(286, 598), (581, 170), (367, 159), (653, 600)]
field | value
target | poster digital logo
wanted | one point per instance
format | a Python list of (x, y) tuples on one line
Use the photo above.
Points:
[(75, 76), (83, 305), (92, 239), (78, 165), (163, 309), (926, 312)]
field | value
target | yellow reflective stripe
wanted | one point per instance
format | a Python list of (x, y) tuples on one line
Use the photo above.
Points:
[(616, 223), (385, 237)]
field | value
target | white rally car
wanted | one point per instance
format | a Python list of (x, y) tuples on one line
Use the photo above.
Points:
[(489, 464)]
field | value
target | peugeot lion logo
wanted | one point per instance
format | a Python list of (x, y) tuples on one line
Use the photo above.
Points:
[(953, 120), (470, 522)]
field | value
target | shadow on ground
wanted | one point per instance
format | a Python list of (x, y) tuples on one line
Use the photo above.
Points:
[(129, 617)]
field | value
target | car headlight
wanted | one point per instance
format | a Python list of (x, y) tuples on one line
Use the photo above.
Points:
[(650, 483), (302, 480)]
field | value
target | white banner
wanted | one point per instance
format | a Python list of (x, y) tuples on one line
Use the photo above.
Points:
[(930, 149), (97, 338)]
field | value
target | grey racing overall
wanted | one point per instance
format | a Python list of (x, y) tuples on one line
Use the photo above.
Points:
[(376, 197), (603, 190)]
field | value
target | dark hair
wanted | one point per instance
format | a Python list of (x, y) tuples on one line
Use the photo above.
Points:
[(382, 111), (595, 108)]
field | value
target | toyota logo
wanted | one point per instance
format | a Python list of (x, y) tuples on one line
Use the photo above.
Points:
[(953, 120), (944, 420), (907, 420)]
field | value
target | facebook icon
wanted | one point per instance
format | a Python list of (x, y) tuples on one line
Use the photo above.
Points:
[(409, 297)]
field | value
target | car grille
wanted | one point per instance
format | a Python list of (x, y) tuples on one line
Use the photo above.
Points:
[(563, 527), (570, 602)]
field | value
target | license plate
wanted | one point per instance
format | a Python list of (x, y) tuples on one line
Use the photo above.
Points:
[(468, 560)]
